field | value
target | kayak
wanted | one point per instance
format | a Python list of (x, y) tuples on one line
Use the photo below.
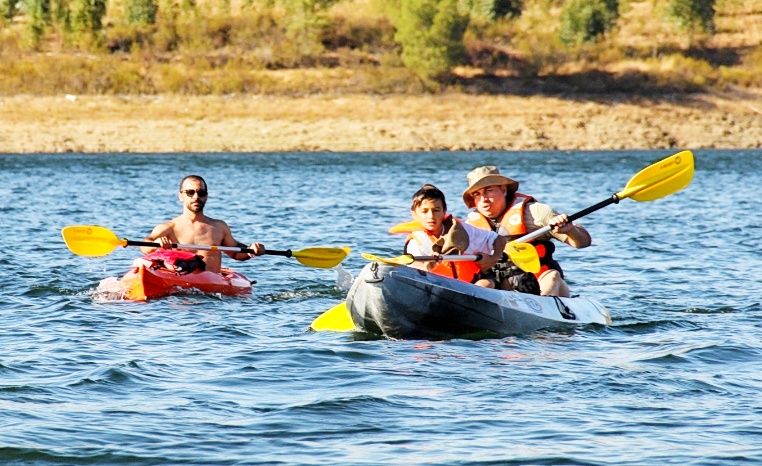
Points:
[(145, 281), (403, 302)]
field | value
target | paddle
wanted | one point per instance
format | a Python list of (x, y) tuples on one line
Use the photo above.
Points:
[(95, 241), (520, 253), (407, 259), (665, 177), (658, 180)]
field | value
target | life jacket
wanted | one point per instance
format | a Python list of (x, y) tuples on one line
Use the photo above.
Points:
[(513, 226), (467, 271), (176, 260)]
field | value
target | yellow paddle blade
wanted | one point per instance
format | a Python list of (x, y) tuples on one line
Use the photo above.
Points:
[(324, 258), (335, 319), (524, 255), (407, 227), (660, 179), (90, 240), (405, 259)]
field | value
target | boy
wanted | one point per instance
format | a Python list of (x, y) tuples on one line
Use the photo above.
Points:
[(438, 232)]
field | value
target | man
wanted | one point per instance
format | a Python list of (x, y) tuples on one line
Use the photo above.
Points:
[(500, 208), (437, 232), (193, 227)]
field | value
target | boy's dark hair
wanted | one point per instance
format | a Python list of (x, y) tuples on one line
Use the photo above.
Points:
[(193, 177), (428, 191)]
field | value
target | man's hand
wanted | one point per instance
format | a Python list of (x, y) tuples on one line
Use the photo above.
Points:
[(164, 242), (258, 249), (561, 224)]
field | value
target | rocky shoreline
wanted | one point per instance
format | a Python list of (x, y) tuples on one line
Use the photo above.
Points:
[(366, 123)]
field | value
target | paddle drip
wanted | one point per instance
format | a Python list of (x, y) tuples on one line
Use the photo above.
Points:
[(344, 279)]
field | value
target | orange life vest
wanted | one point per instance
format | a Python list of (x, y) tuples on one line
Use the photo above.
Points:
[(512, 220), (467, 271), (513, 223)]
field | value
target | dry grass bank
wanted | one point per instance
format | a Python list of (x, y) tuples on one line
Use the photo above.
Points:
[(376, 123)]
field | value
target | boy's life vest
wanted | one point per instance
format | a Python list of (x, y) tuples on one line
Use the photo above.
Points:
[(454, 240)]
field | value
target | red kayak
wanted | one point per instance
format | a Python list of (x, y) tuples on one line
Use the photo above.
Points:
[(149, 278)]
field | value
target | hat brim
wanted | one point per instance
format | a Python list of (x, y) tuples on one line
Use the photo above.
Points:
[(489, 180)]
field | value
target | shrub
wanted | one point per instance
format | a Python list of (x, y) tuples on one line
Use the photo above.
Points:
[(38, 14), (692, 14), (87, 15), (7, 10), (586, 20), (495, 9), (305, 23), (142, 11), (431, 35)]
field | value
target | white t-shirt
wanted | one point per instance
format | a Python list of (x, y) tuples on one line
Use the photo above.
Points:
[(479, 242)]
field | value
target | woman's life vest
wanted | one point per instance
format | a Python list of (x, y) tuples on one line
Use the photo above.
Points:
[(512, 225), (467, 271)]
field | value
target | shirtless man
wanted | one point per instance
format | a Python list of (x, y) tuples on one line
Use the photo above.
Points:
[(193, 227)]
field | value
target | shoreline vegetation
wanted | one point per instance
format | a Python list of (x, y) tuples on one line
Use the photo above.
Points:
[(379, 75)]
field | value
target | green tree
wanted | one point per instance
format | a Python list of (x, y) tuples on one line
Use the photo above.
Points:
[(586, 20), (431, 35), (495, 9), (142, 11), (87, 15), (306, 21), (7, 9), (693, 14), (38, 17)]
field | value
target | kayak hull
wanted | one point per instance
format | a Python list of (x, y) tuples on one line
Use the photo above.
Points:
[(403, 302), (144, 282)]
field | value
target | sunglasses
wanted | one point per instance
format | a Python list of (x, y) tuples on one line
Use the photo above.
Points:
[(192, 192)]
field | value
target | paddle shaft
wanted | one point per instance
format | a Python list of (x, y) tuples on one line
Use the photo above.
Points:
[(614, 199), (201, 247), (451, 258)]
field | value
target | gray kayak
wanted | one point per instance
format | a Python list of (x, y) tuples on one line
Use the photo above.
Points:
[(403, 302)]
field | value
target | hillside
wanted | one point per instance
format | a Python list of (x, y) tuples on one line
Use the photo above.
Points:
[(208, 50), (233, 80)]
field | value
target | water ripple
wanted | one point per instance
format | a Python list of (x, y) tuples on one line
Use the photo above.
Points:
[(198, 379)]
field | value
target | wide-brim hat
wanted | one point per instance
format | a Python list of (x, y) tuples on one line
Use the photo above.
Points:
[(481, 177)]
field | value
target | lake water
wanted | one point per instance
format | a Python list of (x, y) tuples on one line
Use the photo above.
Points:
[(196, 379)]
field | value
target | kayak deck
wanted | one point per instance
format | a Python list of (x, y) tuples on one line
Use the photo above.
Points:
[(144, 282)]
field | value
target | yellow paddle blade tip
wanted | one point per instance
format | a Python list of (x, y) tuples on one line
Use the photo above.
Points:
[(371, 257), (524, 255), (322, 257), (660, 179), (406, 227), (335, 319), (405, 259), (90, 240)]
